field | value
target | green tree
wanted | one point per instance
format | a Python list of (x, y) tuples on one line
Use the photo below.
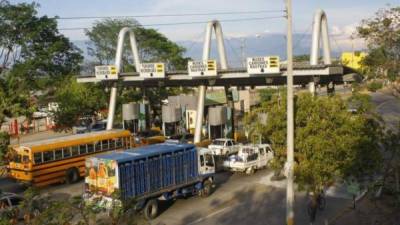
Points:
[(77, 100), (37, 57), (152, 45), (382, 34), (330, 142)]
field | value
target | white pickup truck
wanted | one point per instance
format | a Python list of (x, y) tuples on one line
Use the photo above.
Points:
[(249, 158), (224, 147)]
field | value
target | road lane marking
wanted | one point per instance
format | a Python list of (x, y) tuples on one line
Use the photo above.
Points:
[(213, 214)]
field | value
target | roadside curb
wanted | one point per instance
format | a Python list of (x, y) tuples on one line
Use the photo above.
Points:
[(348, 208)]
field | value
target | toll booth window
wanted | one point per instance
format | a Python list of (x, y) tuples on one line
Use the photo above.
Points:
[(90, 148), (38, 157), (202, 160), (58, 154), (66, 152), (209, 160), (48, 156), (75, 150), (82, 149)]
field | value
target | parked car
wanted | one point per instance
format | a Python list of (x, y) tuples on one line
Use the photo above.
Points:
[(249, 158), (82, 128), (224, 147), (10, 201)]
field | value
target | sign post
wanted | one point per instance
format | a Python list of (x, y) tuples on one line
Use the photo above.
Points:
[(152, 70), (106, 72), (263, 65), (205, 68)]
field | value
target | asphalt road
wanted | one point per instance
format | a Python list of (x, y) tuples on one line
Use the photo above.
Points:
[(237, 199), (388, 107)]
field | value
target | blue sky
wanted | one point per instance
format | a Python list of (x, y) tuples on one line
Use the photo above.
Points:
[(343, 15)]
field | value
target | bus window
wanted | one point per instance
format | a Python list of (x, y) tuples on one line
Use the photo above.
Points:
[(48, 156), (66, 152), (112, 144), (97, 146), (90, 148), (75, 150), (118, 143), (58, 154), (82, 149), (104, 144), (38, 157)]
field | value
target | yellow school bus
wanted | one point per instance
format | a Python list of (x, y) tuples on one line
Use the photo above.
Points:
[(62, 159)]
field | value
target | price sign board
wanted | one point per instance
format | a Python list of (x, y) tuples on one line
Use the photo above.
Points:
[(263, 65), (152, 70), (106, 72), (205, 68)]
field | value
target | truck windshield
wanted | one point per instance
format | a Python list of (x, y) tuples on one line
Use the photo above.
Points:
[(218, 142)]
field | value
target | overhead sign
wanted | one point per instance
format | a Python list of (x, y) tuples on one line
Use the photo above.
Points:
[(205, 68), (263, 65), (107, 72), (152, 70)]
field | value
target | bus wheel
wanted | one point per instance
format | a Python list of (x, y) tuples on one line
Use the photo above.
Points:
[(72, 175), (151, 209)]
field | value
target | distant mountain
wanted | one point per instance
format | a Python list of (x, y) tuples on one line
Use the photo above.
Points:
[(262, 45)]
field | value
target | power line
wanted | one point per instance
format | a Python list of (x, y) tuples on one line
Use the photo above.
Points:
[(188, 23), (168, 15)]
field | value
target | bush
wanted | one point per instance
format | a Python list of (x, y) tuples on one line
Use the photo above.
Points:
[(374, 86), (4, 142)]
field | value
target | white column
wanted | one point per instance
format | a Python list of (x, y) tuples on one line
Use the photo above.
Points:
[(199, 113), (111, 107)]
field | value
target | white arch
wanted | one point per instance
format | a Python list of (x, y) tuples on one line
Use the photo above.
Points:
[(320, 25), (120, 45), (206, 55), (118, 62), (220, 43)]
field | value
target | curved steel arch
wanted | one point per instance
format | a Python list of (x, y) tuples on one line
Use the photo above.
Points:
[(118, 61), (320, 25), (121, 38), (220, 43), (214, 24)]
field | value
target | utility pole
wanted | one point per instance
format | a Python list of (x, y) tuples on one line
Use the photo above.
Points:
[(290, 119)]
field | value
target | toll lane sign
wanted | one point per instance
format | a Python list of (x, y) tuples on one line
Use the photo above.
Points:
[(106, 72), (263, 65), (152, 70), (205, 68)]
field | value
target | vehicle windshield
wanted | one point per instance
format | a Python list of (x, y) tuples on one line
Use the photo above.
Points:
[(218, 142)]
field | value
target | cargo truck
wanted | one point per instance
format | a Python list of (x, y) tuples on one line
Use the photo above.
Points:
[(149, 174)]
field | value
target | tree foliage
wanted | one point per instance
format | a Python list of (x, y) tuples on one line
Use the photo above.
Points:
[(77, 100), (330, 141), (382, 34), (36, 57), (152, 45)]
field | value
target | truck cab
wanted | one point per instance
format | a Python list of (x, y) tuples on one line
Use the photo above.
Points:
[(206, 161), (223, 146)]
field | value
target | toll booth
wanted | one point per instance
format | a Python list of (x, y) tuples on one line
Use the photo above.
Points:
[(135, 117), (171, 120)]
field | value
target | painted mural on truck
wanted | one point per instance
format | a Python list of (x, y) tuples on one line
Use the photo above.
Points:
[(101, 176)]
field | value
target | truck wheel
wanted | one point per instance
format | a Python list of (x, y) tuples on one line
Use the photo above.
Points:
[(207, 188), (151, 209), (72, 175), (250, 171)]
